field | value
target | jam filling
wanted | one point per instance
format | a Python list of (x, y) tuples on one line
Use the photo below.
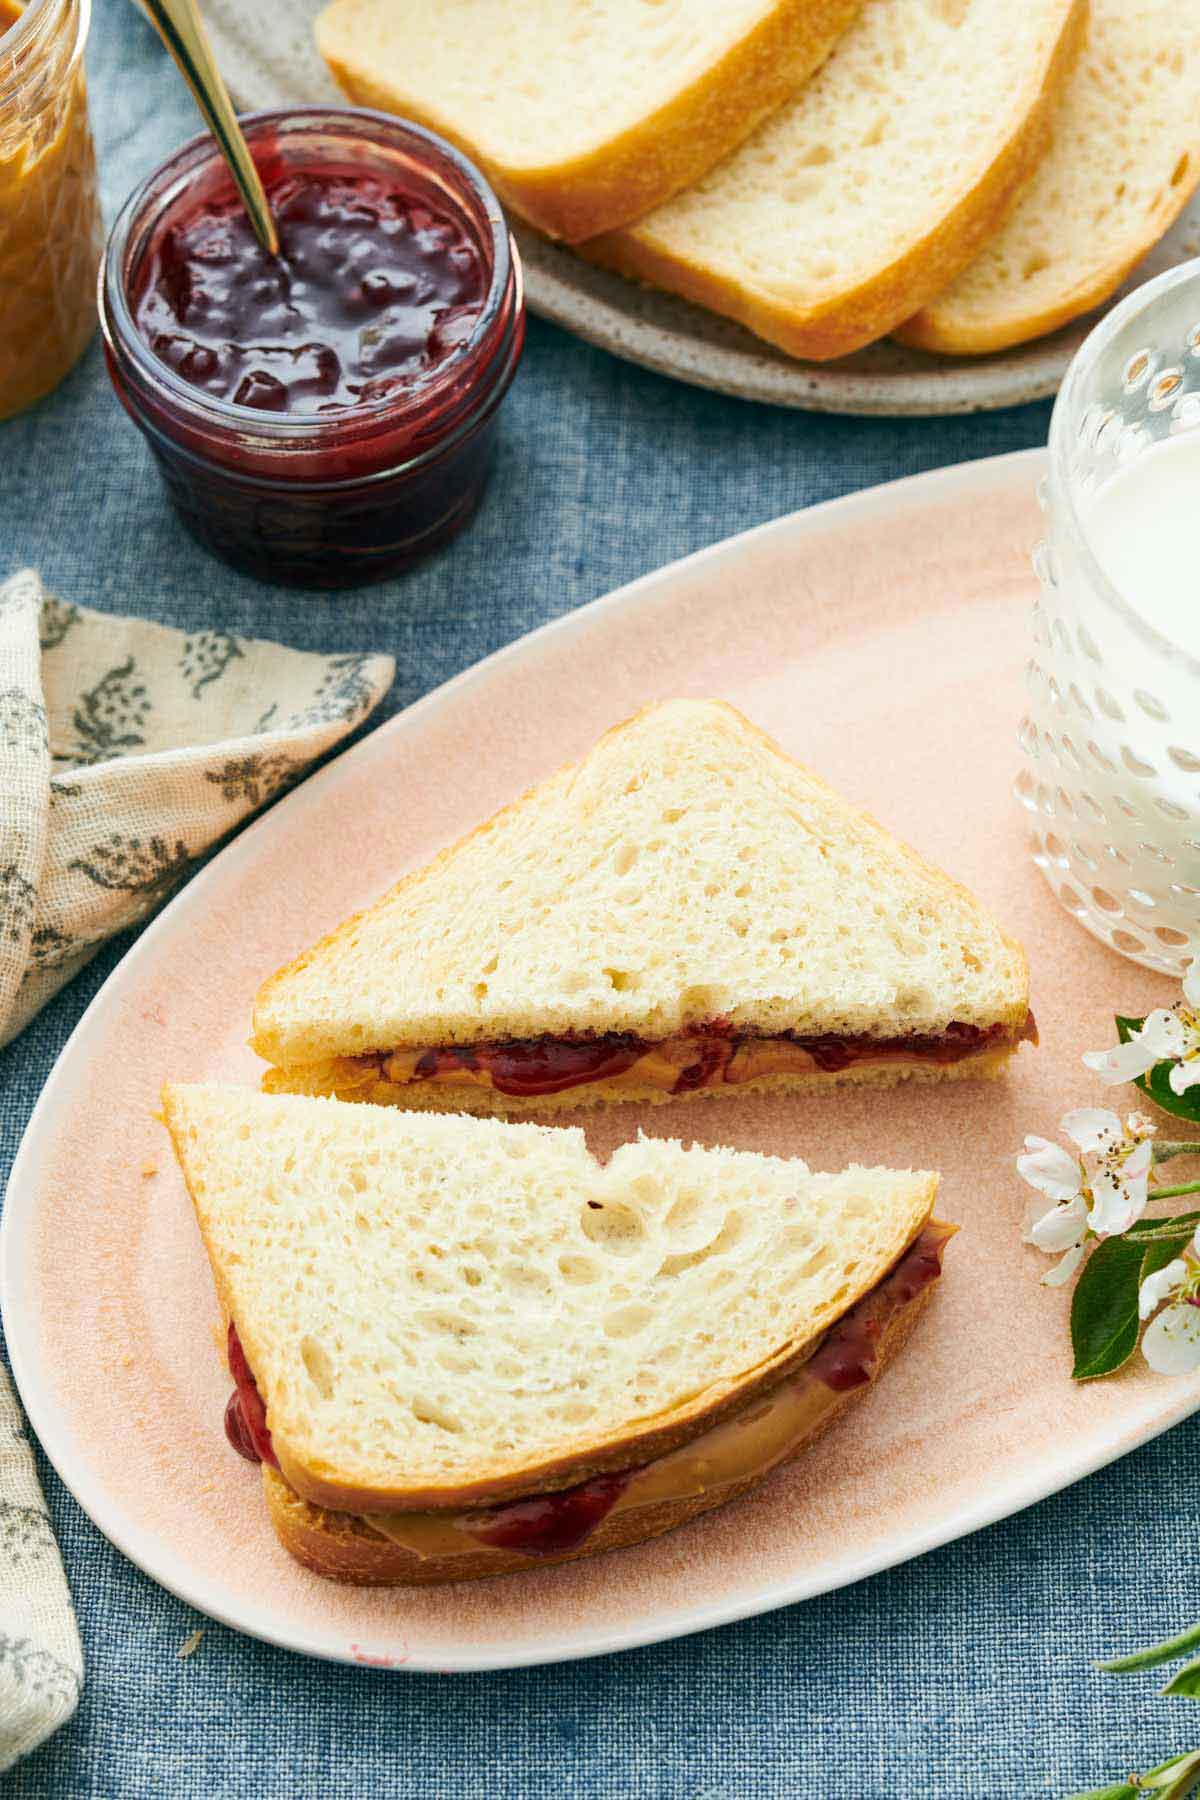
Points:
[(712, 1053), (371, 289), (551, 1523), (245, 1415), (848, 1355)]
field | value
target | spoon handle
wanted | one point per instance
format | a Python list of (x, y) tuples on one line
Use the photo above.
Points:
[(179, 25)]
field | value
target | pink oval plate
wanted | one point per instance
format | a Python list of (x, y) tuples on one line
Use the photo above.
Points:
[(881, 638)]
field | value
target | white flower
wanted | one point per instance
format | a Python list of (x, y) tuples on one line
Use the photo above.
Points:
[(1050, 1169), (1167, 1035), (1171, 1345), (1098, 1200), (1156, 1287), (1119, 1191)]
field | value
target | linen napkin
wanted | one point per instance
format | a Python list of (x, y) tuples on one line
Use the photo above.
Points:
[(127, 750), (41, 1660)]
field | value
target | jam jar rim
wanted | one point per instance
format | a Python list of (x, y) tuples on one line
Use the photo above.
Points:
[(503, 301), (36, 26)]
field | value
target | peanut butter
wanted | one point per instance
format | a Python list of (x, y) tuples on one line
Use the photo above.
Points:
[(704, 1056), (49, 218)]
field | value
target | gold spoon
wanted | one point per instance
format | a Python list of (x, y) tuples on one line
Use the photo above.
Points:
[(179, 25)]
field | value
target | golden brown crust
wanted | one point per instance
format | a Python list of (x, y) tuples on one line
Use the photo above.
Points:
[(931, 329), (264, 1039), (892, 294), (343, 1548), (629, 174)]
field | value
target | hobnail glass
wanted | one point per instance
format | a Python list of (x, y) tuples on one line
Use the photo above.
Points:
[(1112, 732)]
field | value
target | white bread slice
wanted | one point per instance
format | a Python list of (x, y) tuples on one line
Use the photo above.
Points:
[(1124, 162), (346, 1547), (684, 870), (583, 116), (441, 1310), (864, 196)]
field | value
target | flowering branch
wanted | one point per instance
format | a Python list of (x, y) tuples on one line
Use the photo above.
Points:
[(1133, 1272), (1137, 1275)]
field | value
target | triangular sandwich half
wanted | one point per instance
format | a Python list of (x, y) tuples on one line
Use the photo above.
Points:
[(686, 910), (463, 1346)]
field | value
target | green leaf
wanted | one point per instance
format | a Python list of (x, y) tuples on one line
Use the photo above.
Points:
[(1104, 1308), (1166, 1651), (1186, 1681), (1176, 1778), (1170, 1780), (1156, 1085)]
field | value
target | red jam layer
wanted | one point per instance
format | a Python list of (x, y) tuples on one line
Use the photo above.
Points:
[(848, 1355), (371, 289), (549, 1065), (551, 1523), (245, 1415)]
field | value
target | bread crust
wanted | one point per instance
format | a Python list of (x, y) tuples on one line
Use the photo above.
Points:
[(876, 305), (637, 169), (275, 1047), (936, 328), (343, 1548)]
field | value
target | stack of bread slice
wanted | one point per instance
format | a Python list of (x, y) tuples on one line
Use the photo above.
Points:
[(964, 174)]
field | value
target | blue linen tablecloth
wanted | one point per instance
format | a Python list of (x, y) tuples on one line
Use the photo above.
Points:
[(965, 1673)]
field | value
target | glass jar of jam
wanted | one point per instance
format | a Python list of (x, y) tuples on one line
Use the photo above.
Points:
[(324, 417), (49, 218)]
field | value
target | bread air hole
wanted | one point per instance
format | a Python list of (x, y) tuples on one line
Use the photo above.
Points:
[(453, 1324), (428, 1412), (524, 1280), (622, 981), (617, 1229), (727, 1238), (319, 1368), (627, 1321), (580, 1271), (627, 855)]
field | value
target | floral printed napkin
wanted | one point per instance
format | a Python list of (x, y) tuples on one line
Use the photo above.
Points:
[(127, 750)]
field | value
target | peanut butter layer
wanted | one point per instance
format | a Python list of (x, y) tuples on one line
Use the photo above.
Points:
[(704, 1057)]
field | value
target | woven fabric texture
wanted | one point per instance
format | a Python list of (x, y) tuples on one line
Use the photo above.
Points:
[(964, 1674)]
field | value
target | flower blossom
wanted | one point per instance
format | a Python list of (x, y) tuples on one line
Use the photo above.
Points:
[(1171, 1344), (1170, 1034), (1098, 1192)]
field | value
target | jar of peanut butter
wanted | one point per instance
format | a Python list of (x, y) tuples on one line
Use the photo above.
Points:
[(49, 218)]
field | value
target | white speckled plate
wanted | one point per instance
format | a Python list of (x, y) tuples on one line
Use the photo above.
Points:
[(269, 58)]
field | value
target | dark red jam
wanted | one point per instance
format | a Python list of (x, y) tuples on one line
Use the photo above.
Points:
[(245, 1415), (326, 416), (549, 1065), (848, 1355), (549, 1524), (371, 289)]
